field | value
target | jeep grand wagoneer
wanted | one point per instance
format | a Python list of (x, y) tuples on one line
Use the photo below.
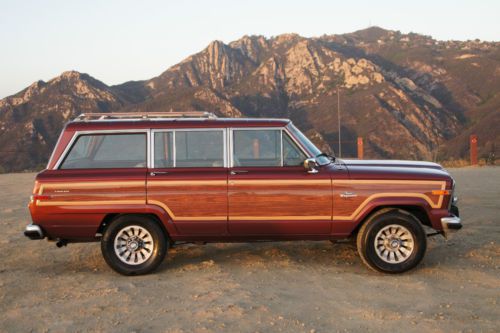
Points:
[(141, 182)]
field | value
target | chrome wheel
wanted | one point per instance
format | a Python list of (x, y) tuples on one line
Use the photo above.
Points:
[(394, 244), (133, 245)]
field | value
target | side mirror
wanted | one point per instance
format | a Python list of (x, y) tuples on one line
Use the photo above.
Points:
[(311, 165)]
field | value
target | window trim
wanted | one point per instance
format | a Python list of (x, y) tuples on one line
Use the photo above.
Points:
[(78, 134), (281, 129), (227, 140), (198, 129)]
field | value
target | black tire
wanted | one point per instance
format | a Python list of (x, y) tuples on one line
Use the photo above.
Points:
[(157, 244), (380, 224)]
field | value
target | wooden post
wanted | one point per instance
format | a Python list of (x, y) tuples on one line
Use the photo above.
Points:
[(360, 148), (473, 149)]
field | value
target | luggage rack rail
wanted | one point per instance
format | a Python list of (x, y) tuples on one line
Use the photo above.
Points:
[(144, 115)]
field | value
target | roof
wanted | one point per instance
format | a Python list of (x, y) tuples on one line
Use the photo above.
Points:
[(102, 124)]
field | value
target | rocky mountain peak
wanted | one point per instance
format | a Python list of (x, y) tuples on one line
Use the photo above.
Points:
[(407, 95)]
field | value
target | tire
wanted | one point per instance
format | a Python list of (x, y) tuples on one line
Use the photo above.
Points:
[(141, 245), (395, 231)]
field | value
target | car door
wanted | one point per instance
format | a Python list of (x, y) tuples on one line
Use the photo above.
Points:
[(101, 170), (188, 179), (269, 191)]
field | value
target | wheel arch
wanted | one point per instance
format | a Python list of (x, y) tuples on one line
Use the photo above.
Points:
[(417, 210), (110, 217)]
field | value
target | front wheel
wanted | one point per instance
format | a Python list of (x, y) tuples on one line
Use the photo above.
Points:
[(392, 242), (134, 245)]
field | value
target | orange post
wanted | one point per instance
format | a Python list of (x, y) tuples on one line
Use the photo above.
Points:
[(473, 149), (256, 148), (360, 147)]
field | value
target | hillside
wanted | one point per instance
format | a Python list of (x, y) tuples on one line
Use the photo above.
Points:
[(408, 95)]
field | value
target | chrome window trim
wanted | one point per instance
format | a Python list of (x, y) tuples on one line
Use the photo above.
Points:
[(55, 147), (281, 129), (298, 142), (174, 130), (77, 134)]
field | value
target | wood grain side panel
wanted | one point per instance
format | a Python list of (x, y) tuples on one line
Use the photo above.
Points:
[(190, 200), (280, 200), (367, 191), (91, 193)]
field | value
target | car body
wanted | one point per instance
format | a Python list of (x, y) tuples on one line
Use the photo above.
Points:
[(207, 179)]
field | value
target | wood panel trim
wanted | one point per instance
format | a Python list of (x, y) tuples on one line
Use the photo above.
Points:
[(90, 203), (82, 185), (358, 210), (277, 218), (268, 182), (186, 218), (187, 182)]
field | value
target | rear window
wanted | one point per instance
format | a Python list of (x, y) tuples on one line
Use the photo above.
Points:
[(105, 151)]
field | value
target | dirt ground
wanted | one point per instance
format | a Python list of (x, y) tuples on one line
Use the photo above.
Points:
[(265, 287)]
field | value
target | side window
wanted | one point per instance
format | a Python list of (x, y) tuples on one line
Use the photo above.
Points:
[(257, 147), (292, 155), (199, 149), (104, 151), (164, 151)]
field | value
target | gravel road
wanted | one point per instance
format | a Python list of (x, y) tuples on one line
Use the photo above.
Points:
[(265, 287)]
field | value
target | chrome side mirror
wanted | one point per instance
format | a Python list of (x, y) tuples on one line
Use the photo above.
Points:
[(311, 165)]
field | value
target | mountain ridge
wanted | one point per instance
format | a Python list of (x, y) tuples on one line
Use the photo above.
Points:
[(395, 90)]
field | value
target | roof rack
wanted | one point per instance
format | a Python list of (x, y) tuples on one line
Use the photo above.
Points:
[(144, 115)]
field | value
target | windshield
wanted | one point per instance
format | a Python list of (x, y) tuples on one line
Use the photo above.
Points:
[(321, 158)]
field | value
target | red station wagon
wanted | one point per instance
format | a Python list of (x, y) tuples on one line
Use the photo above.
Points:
[(139, 183)]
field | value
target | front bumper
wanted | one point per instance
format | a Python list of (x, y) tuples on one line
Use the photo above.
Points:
[(33, 231), (451, 224)]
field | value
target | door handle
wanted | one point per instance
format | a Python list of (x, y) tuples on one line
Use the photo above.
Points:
[(154, 173), (348, 195), (235, 172)]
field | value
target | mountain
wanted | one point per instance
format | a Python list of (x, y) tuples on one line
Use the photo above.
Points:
[(408, 95)]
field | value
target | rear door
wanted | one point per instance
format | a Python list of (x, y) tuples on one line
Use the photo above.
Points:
[(100, 171), (188, 179)]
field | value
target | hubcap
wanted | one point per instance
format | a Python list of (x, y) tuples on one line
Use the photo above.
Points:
[(394, 244), (133, 245)]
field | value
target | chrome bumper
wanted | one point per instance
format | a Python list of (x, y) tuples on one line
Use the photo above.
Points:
[(451, 224), (33, 231)]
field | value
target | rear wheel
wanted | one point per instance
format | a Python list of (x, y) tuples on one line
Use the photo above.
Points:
[(134, 245), (392, 241)]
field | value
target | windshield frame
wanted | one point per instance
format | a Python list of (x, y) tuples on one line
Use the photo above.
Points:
[(303, 140)]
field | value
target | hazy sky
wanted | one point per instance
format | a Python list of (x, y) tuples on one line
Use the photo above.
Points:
[(120, 40)]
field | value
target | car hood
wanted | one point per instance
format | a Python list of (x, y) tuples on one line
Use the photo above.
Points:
[(395, 169), (393, 163)]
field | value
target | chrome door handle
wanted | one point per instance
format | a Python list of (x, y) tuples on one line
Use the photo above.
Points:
[(154, 173), (235, 172), (348, 195)]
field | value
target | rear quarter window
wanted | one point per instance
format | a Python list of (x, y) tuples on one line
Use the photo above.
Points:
[(105, 151)]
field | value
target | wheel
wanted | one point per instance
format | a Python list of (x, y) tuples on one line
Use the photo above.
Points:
[(392, 241), (134, 245)]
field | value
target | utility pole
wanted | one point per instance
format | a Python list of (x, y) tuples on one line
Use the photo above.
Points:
[(338, 118)]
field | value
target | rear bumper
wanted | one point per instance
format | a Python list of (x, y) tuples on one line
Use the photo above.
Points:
[(451, 224), (33, 231)]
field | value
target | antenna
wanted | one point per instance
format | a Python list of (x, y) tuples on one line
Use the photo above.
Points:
[(338, 119)]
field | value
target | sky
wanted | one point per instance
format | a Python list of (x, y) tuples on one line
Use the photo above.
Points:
[(120, 40)]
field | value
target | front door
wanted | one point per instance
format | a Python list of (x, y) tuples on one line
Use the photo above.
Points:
[(189, 179), (270, 192)]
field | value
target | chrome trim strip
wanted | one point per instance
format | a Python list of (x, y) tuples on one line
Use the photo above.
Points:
[(57, 145), (79, 133)]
